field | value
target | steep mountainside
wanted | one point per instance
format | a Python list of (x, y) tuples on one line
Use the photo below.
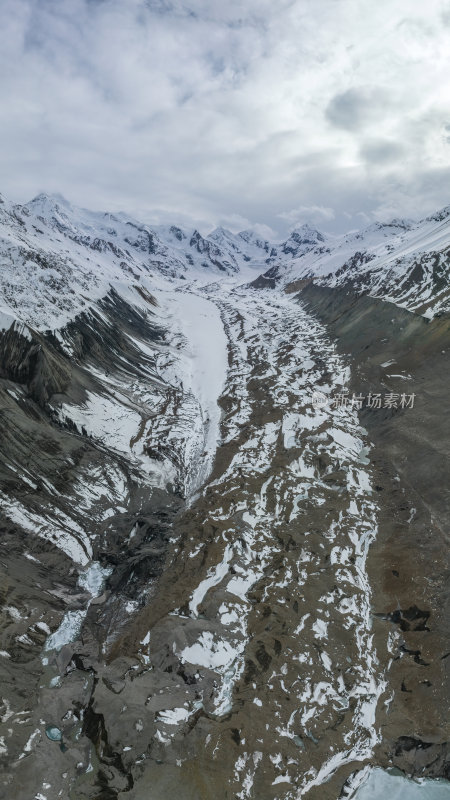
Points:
[(403, 262)]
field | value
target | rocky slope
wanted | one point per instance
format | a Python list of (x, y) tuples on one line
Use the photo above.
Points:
[(216, 578), (402, 262)]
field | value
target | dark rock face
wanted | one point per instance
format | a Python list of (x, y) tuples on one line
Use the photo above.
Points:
[(35, 364), (266, 281), (178, 233), (213, 253), (144, 239)]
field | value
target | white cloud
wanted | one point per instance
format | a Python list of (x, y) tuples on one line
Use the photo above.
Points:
[(301, 214), (212, 109)]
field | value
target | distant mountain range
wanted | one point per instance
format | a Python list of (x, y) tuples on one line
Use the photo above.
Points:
[(56, 259)]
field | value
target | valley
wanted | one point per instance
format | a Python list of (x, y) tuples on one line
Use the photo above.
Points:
[(209, 579)]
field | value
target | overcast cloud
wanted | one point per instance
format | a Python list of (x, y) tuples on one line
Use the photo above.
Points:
[(249, 113)]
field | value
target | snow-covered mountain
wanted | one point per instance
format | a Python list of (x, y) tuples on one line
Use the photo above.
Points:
[(56, 260), (404, 262)]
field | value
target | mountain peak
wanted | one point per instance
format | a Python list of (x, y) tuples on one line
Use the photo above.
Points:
[(306, 234), (440, 215), (220, 233), (50, 197), (45, 203)]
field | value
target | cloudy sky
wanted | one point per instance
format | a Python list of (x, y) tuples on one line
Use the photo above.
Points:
[(241, 113)]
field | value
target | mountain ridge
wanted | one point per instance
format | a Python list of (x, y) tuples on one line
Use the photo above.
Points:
[(58, 259)]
